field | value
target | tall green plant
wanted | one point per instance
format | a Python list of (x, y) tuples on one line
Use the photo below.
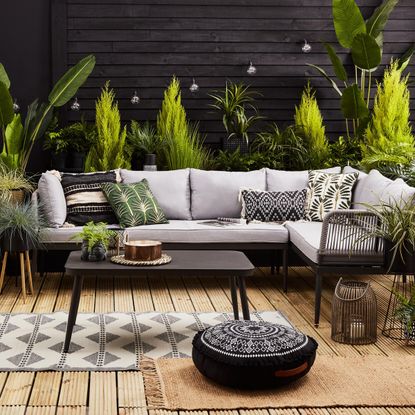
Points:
[(182, 145), (364, 39), (309, 121), (388, 138), (18, 139), (108, 151)]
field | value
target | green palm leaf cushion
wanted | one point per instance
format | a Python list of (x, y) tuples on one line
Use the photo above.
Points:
[(134, 204), (327, 192)]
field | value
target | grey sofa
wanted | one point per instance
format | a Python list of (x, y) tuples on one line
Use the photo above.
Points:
[(191, 198)]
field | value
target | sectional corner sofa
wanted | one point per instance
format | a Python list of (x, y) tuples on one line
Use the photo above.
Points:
[(192, 198)]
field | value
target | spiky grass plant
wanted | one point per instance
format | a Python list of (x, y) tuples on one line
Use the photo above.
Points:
[(109, 149), (10, 180), (309, 121), (182, 145), (388, 138), (143, 138)]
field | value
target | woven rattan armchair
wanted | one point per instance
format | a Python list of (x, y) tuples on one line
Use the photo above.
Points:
[(347, 245)]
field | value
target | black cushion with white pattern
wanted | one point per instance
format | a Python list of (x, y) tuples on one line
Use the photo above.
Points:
[(253, 354), (266, 206)]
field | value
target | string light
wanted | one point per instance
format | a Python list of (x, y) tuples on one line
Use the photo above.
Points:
[(251, 69), (75, 105), (306, 47), (16, 106), (135, 99), (194, 87)]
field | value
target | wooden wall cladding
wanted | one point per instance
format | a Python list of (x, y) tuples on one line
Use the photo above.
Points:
[(140, 44)]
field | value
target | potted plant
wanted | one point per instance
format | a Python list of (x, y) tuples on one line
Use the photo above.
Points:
[(13, 185), (233, 103), (144, 143), (405, 311), (95, 241), (20, 227), (397, 228), (58, 147)]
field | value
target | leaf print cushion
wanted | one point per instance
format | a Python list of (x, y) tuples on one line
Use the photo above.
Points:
[(134, 204), (327, 192)]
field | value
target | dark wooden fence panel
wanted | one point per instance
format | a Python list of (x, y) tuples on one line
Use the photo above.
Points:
[(140, 44)]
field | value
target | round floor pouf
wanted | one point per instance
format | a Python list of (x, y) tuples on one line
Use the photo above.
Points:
[(252, 354)]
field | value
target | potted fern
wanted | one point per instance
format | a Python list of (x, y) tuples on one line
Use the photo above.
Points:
[(405, 311), (95, 241)]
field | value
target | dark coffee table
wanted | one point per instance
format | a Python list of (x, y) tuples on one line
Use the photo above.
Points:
[(231, 264)]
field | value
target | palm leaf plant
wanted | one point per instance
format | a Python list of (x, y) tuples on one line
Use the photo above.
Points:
[(364, 40), (19, 137)]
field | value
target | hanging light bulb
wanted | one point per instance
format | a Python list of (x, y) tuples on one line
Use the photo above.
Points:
[(306, 47), (135, 99), (194, 87), (251, 69), (16, 106), (75, 105)]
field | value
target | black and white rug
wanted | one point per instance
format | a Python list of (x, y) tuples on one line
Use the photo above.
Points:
[(114, 341)]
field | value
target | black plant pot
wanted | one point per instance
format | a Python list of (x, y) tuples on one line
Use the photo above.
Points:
[(399, 266), (232, 144), (150, 162), (58, 161), (15, 242), (98, 252), (77, 160)]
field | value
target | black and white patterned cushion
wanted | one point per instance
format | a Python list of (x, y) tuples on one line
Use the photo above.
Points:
[(273, 206), (85, 200), (327, 192), (253, 354)]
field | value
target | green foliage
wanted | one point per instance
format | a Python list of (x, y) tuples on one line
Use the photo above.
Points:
[(96, 233), (388, 138), (233, 103), (237, 161), (143, 139), (182, 145), (404, 172), (309, 121), (22, 220), (405, 309), (12, 180), (346, 151), (38, 115), (109, 149)]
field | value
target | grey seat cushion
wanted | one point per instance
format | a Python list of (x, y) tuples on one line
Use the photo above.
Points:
[(216, 193), (171, 189), (306, 237), (182, 231), (282, 181)]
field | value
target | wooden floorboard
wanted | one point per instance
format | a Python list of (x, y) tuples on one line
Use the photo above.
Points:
[(122, 393)]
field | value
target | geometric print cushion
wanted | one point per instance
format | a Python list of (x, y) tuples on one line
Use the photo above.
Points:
[(327, 192), (134, 204), (85, 200), (266, 206)]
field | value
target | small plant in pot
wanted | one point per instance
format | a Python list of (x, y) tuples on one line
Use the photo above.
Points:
[(397, 228), (95, 241), (13, 185), (145, 144), (58, 147), (405, 311), (20, 227)]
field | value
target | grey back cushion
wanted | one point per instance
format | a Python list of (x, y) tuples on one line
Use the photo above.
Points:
[(171, 189), (374, 188), (283, 181), (216, 193), (359, 187), (52, 199)]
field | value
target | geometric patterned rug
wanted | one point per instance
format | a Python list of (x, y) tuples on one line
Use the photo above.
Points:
[(110, 342)]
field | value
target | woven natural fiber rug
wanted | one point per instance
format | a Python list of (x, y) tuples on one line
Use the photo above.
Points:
[(115, 341), (175, 384)]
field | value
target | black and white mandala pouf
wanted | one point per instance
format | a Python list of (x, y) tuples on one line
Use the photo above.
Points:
[(252, 354)]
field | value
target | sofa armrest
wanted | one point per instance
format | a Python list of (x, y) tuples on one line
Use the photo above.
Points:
[(350, 232)]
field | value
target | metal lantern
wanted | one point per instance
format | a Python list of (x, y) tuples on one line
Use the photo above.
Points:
[(354, 313)]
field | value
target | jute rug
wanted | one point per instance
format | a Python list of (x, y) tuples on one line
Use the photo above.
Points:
[(115, 341), (333, 381)]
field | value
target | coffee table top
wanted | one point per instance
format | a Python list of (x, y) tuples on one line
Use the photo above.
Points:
[(189, 262)]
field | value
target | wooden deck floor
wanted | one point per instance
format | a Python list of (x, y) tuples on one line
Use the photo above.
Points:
[(97, 393)]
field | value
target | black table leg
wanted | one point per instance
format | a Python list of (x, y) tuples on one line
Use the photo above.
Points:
[(73, 311), (244, 298), (234, 296)]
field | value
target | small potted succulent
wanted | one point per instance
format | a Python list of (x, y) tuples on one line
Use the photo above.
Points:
[(95, 241), (405, 311), (20, 226)]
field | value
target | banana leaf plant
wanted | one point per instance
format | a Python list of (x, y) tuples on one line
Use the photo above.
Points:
[(364, 40), (18, 138)]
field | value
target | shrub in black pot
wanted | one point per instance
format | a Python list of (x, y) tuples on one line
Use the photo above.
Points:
[(20, 227), (95, 241), (405, 311)]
